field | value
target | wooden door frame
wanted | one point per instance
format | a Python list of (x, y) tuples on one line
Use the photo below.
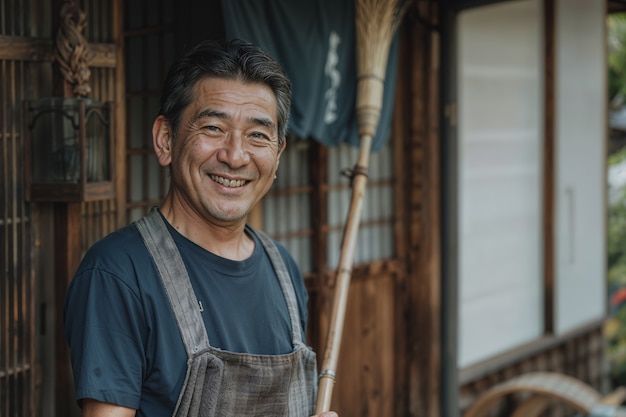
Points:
[(450, 298)]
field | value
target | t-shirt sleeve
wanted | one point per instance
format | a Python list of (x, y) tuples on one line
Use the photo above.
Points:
[(104, 327)]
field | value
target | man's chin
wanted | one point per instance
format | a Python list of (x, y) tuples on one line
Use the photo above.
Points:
[(232, 216)]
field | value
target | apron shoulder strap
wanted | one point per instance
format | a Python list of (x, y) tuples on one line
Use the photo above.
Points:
[(285, 284), (176, 281)]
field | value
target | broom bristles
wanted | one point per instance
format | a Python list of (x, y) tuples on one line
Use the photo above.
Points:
[(376, 23)]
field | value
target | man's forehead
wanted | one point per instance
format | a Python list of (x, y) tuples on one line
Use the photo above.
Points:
[(225, 94)]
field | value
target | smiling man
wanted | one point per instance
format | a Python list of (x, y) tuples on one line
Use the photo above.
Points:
[(189, 311)]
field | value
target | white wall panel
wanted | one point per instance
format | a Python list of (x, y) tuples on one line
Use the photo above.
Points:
[(581, 175), (500, 184)]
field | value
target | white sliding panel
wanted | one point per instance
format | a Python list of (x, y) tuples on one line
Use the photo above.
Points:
[(500, 125), (581, 120)]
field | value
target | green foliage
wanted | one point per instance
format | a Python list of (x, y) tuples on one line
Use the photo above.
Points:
[(617, 234), (616, 31), (615, 330), (616, 223), (617, 157)]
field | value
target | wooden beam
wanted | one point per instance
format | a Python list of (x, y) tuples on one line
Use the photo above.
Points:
[(16, 48), (425, 230)]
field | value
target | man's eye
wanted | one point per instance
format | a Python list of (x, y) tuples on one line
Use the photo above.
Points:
[(212, 128), (258, 135)]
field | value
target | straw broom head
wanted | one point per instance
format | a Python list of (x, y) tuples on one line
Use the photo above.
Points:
[(376, 24)]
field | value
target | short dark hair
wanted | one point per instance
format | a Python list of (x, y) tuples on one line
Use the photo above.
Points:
[(234, 60)]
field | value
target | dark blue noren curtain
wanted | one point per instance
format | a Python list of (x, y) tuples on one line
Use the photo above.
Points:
[(315, 41)]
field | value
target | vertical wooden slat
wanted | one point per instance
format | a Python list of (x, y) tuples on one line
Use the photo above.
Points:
[(22, 251), (15, 279), (145, 117), (4, 284), (28, 272), (18, 312), (401, 132), (549, 164), (119, 101), (319, 225), (67, 221)]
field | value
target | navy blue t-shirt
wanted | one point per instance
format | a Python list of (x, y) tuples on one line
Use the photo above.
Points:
[(125, 344)]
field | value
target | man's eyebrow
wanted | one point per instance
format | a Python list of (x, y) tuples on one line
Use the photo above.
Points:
[(212, 113), (262, 121)]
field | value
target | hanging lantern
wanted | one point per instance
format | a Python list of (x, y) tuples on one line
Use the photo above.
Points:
[(68, 150)]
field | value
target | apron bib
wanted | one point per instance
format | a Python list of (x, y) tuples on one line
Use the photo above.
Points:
[(219, 383)]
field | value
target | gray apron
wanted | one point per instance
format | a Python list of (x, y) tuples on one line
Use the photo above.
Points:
[(226, 384)]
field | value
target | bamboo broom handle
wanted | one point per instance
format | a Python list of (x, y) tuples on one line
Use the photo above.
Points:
[(369, 104), (376, 22), (342, 283)]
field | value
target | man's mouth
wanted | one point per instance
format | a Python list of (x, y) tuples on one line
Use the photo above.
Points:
[(228, 183)]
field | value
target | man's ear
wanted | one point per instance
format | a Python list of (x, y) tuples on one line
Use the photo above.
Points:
[(283, 145), (280, 151), (162, 140)]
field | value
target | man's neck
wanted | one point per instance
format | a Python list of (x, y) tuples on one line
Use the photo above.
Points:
[(228, 241)]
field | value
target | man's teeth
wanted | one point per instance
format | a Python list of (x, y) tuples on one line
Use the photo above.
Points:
[(228, 183)]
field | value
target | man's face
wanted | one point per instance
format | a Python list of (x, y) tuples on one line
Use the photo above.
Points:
[(226, 153)]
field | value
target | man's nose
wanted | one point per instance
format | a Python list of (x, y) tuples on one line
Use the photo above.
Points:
[(234, 151)]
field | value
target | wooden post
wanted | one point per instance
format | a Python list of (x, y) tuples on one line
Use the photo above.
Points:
[(67, 256), (71, 80)]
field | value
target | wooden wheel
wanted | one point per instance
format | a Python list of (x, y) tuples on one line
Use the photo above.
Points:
[(548, 386)]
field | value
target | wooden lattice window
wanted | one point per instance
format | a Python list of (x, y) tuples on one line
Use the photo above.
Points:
[(17, 287), (149, 50)]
